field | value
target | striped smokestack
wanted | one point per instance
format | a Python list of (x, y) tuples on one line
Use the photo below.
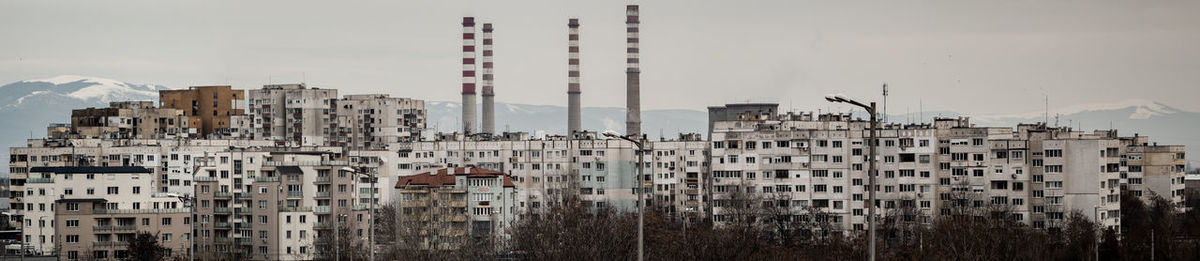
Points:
[(489, 103), (633, 96), (573, 77), (468, 81)]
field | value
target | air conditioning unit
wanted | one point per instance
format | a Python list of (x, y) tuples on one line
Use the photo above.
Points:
[(1014, 176)]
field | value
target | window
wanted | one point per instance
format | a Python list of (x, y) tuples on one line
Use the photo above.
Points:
[(72, 238), (166, 221), (72, 223), (114, 190), (1057, 153)]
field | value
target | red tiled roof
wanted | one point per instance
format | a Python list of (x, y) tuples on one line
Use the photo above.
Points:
[(445, 177)]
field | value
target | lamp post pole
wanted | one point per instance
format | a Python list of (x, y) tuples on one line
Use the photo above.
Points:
[(871, 172), (641, 204)]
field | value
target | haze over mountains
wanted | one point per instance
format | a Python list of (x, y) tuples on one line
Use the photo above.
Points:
[(27, 107)]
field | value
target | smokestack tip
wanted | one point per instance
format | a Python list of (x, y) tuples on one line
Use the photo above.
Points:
[(468, 21), (631, 7), (573, 22), (487, 27)]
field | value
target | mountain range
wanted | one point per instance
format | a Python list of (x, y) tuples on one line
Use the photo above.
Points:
[(27, 107)]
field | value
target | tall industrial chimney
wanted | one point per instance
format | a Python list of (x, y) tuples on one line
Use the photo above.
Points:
[(468, 81), (633, 96), (573, 77), (489, 103)]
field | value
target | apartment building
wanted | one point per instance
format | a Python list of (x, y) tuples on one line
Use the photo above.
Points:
[(109, 194), (1037, 175), (291, 114), (210, 108), (373, 121), (600, 172), (130, 120), (89, 229), (285, 205), (679, 168), (446, 208)]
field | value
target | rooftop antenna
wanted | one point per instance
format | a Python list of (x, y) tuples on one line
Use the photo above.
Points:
[(885, 115), (921, 106)]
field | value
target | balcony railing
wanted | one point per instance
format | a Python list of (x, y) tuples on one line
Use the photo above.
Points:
[(295, 209), (113, 228), (221, 225), (266, 179), (295, 194), (221, 210), (204, 178), (306, 163), (141, 211), (39, 180), (322, 193), (322, 209), (109, 243), (223, 194), (323, 179)]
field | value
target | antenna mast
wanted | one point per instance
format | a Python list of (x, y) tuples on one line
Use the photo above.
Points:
[(885, 115)]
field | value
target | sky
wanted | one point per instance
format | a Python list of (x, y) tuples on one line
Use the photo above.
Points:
[(985, 57)]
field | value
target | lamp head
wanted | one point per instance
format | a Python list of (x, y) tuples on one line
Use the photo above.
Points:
[(612, 134), (831, 98)]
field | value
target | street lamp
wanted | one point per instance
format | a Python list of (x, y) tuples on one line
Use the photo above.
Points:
[(641, 204), (188, 202), (839, 98), (374, 178)]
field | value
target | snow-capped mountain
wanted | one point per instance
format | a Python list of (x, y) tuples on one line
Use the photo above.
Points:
[(27, 107)]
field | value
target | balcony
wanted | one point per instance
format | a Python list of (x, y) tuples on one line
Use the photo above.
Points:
[(295, 209), (323, 209), (109, 243), (242, 210), (322, 194), (39, 180), (204, 179), (221, 225), (113, 228), (323, 179), (295, 194), (222, 210), (141, 211), (362, 206), (459, 218), (266, 179), (223, 195), (460, 204)]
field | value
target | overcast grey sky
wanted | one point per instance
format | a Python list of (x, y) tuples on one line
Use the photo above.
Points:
[(968, 56)]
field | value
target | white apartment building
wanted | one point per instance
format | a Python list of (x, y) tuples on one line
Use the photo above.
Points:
[(1033, 174), (125, 189)]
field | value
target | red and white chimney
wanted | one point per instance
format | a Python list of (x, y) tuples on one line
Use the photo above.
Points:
[(489, 103), (468, 74), (573, 120), (633, 96)]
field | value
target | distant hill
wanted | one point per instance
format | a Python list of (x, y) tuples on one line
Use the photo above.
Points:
[(27, 107)]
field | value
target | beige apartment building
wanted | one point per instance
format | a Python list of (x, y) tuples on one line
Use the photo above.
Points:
[(373, 121), (88, 229), (291, 114), (130, 120), (210, 108)]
